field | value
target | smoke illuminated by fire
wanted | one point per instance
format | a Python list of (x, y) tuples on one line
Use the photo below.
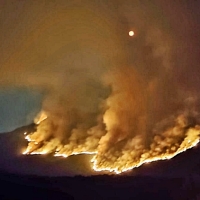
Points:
[(125, 100), (132, 154)]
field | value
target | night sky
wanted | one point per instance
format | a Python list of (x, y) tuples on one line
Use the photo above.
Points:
[(38, 44)]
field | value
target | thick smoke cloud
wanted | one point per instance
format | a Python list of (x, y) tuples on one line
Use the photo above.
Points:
[(126, 100)]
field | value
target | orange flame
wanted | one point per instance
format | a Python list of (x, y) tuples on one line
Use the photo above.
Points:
[(40, 117), (191, 140)]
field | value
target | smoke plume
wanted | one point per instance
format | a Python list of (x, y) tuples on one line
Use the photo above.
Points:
[(126, 100)]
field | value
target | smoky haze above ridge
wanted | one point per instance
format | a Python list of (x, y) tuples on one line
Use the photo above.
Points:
[(124, 99)]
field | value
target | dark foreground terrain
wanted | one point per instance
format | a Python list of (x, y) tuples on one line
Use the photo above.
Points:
[(177, 179), (98, 187)]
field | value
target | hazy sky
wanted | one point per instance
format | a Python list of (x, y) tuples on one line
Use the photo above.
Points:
[(75, 59), (20, 25)]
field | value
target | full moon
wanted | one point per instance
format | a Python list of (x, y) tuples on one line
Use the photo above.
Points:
[(131, 33)]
